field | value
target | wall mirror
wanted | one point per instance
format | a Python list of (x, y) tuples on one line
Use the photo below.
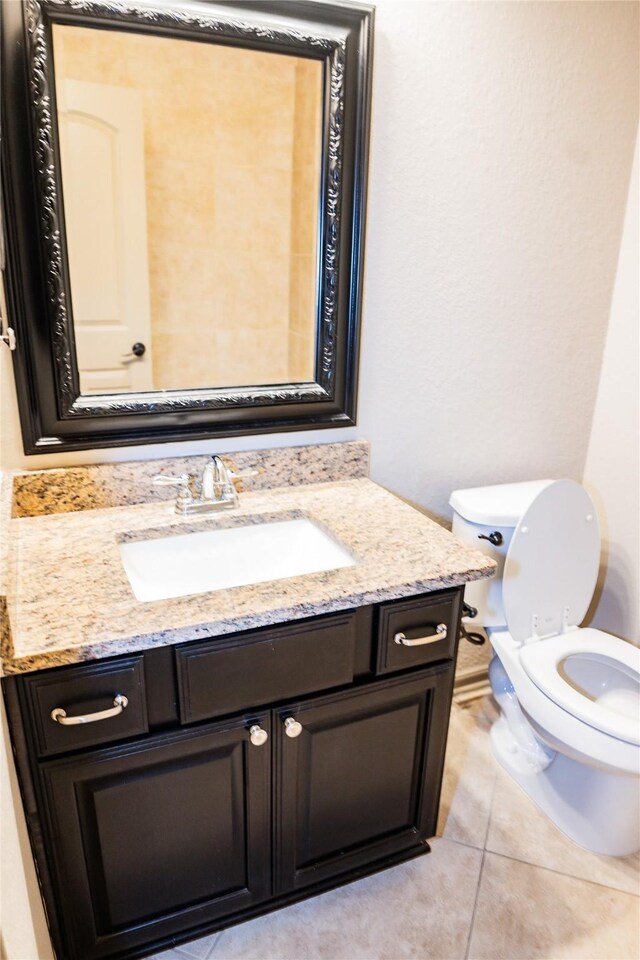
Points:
[(183, 194)]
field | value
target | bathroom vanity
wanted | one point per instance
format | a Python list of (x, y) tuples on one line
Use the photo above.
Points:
[(236, 750), (243, 772)]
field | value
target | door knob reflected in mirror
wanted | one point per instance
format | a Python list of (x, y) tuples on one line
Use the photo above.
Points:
[(137, 350), (292, 728)]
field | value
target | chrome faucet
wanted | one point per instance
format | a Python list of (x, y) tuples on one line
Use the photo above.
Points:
[(214, 491)]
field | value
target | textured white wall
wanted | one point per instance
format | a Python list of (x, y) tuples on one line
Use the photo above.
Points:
[(612, 471), (501, 148)]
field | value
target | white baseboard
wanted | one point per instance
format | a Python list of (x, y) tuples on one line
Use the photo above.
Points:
[(470, 684)]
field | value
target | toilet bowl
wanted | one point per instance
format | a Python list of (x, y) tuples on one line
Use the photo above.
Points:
[(569, 696)]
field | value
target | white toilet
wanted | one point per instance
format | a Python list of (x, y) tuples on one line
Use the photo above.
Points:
[(569, 729)]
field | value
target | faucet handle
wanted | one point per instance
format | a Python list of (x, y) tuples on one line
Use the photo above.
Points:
[(244, 474), (186, 480), (166, 480)]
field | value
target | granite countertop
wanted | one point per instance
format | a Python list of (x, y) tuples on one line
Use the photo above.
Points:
[(69, 599)]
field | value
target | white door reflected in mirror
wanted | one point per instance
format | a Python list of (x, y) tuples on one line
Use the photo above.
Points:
[(102, 154)]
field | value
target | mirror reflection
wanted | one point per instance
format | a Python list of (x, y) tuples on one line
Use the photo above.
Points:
[(191, 182)]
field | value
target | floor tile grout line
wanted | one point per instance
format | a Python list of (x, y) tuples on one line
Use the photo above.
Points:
[(183, 949), (482, 862), (490, 817), (475, 907), (465, 843), (460, 843), (215, 943), (475, 846), (560, 873)]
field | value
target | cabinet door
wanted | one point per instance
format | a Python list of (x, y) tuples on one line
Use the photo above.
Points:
[(155, 837), (361, 781)]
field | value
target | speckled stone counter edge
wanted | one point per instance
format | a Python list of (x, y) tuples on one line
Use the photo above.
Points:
[(67, 490), (66, 606)]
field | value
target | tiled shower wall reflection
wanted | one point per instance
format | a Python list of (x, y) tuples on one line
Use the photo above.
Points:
[(304, 219), (232, 142)]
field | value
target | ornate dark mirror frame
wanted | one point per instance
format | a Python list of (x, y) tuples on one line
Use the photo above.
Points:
[(54, 415)]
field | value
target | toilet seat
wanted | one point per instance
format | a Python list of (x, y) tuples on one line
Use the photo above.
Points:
[(557, 727), (541, 660)]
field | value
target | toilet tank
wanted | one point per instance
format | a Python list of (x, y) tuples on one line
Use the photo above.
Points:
[(479, 512)]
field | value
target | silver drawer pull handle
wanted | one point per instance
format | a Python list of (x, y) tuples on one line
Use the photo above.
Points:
[(440, 634), (257, 735), (292, 728), (119, 703)]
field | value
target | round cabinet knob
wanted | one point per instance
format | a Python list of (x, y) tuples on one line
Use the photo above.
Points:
[(257, 735), (292, 728)]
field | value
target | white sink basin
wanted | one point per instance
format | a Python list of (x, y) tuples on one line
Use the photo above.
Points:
[(184, 564)]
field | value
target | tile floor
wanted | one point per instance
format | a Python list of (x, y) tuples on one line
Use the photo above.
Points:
[(500, 882)]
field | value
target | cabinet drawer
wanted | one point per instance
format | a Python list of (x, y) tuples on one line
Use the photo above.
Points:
[(222, 676), (418, 631), (83, 692)]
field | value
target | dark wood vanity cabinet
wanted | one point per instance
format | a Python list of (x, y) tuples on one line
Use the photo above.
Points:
[(160, 837), (361, 782)]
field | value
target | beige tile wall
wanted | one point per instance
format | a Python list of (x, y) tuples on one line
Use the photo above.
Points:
[(304, 218), (232, 142)]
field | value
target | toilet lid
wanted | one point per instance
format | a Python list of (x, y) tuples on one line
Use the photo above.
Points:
[(552, 563)]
